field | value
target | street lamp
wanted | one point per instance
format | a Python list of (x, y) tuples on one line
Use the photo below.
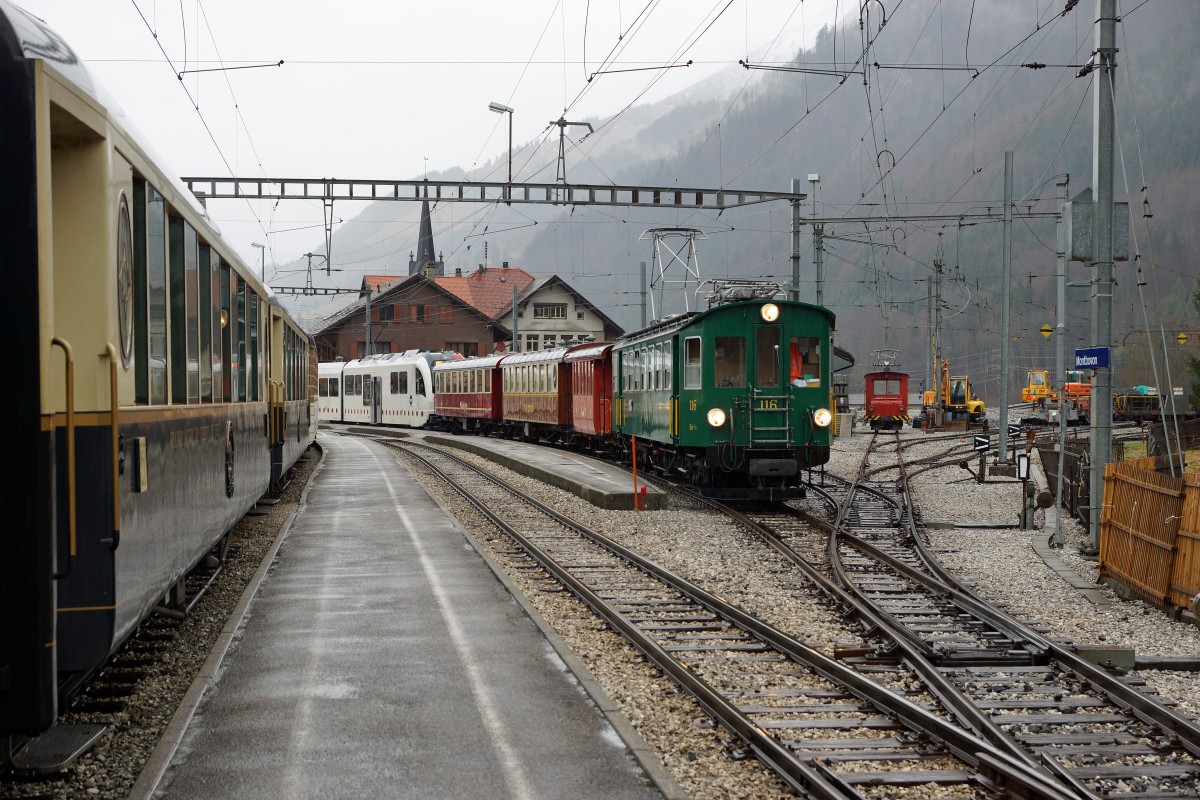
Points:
[(263, 248), (500, 108)]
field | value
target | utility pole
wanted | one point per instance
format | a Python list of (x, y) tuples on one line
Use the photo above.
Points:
[(643, 293), (1060, 354), (795, 293), (930, 362), (818, 247), (939, 415), (1103, 63), (516, 336), (1006, 290), (561, 171)]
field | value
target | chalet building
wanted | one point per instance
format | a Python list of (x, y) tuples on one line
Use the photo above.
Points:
[(470, 314)]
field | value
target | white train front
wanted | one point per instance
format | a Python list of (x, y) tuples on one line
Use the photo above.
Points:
[(383, 389)]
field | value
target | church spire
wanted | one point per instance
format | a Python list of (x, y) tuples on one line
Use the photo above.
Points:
[(425, 252)]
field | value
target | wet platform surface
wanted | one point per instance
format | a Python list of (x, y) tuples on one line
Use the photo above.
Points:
[(600, 483), (382, 658)]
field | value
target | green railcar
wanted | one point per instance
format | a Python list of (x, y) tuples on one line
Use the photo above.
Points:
[(737, 397)]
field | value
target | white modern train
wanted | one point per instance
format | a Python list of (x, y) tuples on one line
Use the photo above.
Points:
[(383, 389)]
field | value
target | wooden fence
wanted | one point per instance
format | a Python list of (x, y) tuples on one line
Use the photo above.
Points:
[(1150, 533)]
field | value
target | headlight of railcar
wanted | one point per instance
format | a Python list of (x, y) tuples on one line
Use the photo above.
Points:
[(770, 312), (716, 417), (822, 417)]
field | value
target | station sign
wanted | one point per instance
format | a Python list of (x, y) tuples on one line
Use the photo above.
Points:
[(1091, 358), (980, 443)]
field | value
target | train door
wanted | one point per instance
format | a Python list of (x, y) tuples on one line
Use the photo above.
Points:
[(421, 394), (770, 404), (373, 385)]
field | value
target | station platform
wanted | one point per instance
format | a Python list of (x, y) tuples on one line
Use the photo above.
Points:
[(602, 484), (381, 657)]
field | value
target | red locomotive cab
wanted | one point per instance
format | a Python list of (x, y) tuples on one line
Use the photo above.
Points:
[(886, 399)]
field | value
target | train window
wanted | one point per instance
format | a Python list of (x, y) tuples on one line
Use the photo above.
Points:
[(805, 361), (150, 303), (400, 382), (191, 301), (252, 382), (368, 387), (691, 362), (177, 308), (216, 329), (767, 356), (487, 381), (239, 332), (729, 361), (333, 387), (553, 377), (204, 314), (419, 383), (668, 379)]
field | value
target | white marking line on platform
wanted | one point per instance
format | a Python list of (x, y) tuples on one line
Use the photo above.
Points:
[(510, 760)]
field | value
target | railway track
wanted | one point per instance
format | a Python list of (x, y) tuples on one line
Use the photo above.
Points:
[(1027, 694), (825, 729)]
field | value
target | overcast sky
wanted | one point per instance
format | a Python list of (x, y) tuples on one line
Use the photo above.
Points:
[(391, 89)]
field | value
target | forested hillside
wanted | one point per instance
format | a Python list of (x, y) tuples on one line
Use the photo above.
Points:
[(906, 120)]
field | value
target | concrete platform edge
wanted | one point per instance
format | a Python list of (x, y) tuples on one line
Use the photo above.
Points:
[(642, 752), (160, 758), (613, 501)]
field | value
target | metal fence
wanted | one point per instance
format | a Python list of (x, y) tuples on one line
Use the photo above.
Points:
[(1075, 476)]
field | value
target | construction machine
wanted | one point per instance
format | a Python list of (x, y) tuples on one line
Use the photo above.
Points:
[(1038, 387), (959, 407), (1078, 387), (1047, 404)]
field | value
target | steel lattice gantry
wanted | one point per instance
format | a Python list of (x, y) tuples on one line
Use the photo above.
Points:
[(331, 189)]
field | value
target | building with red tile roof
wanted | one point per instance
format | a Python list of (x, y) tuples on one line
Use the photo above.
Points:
[(471, 314)]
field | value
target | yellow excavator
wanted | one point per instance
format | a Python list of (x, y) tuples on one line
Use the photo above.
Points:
[(959, 405)]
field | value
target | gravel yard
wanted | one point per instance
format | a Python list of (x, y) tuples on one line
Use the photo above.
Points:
[(1005, 567)]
